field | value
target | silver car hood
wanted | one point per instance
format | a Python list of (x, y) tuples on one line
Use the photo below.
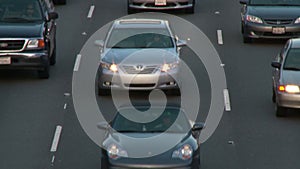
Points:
[(148, 56)]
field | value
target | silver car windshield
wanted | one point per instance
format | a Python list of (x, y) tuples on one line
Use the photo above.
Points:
[(20, 11), (275, 2), (292, 60), (171, 120), (140, 38)]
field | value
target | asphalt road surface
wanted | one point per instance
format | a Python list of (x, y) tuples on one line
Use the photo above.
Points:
[(249, 136)]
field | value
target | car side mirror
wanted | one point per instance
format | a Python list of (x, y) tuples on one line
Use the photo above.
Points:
[(181, 43), (198, 126), (103, 125), (52, 15), (99, 43), (244, 2), (276, 65)]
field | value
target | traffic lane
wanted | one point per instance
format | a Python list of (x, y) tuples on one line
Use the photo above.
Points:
[(262, 140), (31, 108)]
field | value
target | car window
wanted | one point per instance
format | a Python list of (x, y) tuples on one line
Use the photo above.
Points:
[(20, 10), (292, 59), (140, 38), (172, 120)]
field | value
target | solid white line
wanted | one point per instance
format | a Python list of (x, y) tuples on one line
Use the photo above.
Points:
[(220, 37), (90, 14), (56, 139), (226, 100), (77, 63), (65, 106), (53, 159)]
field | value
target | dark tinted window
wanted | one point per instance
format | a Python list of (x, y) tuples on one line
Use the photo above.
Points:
[(171, 120), (140, 38), (20, 11), (275, 2)]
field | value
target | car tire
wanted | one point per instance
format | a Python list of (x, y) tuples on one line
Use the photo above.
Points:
[(247, 39), (129, 9), (280, 111), (45, 73), (103, 92), (53, 56), (60, 2), (174, 92), (190, 10), (273, 96), (104, 164), (196, 164)]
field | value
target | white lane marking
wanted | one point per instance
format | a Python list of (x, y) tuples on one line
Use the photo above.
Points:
[(220, 37), (90, 14), (77, 63), (53, 159), (56, 138), (226, 100), (65, 106)]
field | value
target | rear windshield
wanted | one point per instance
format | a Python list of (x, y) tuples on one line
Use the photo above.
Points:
[(20, 11)]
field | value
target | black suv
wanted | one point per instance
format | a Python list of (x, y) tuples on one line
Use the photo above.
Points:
[(27, 35)]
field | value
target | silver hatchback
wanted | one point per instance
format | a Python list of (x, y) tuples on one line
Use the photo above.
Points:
[(139, 54)]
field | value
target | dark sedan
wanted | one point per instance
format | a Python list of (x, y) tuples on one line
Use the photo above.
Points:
[(151, 138), (286, 77), (270, 19)]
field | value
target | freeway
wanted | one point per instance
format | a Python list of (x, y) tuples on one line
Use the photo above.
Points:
[(249, 136)]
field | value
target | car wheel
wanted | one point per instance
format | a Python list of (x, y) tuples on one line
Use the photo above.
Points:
[(190, 10), (273, 96), (280, 111), (174, 92), (247, 39), (242, 29), (104, 164), (129, 9), (103, 92), (196, 164), (59, 2), (45, 73), (53, 57)]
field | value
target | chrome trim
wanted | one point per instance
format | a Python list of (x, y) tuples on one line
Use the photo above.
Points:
[(24, 45)]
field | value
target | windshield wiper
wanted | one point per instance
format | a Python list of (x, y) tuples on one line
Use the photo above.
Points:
[(128, 131), (291, 68)]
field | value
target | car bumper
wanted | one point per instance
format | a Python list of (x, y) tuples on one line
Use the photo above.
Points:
[(110, 80), (28, 60), (253, 30), (150, 4), (288, 100)]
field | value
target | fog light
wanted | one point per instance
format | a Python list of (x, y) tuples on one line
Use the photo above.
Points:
[(172, 83), (107, 83)]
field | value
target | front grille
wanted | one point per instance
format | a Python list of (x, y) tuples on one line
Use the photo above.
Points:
[(279, 22), (140, 85), (134, 70), (11, 45), (169, 4)]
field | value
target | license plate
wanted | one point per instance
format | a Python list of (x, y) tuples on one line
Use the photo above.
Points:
[(160, 2), (278, 30), (5, 60)]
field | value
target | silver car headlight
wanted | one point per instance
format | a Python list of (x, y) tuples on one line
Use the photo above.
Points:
[(253, 19), (289, 88), (169, 66), (297, 20), (109, 66), (114, 152), (35, 44), (185, 152)]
